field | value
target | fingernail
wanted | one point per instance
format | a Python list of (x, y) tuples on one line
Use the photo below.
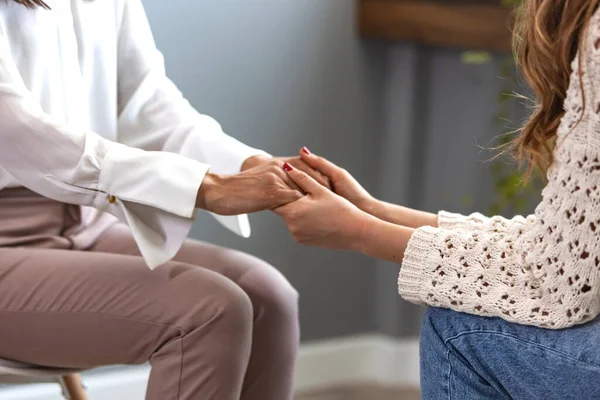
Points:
[(288, 167), (306, 150)]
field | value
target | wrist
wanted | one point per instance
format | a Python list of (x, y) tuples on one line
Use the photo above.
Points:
[(208, 188), (385, 240), (361, 231), (370, 205)]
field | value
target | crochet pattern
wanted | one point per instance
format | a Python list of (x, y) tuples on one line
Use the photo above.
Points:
[(542, 270)]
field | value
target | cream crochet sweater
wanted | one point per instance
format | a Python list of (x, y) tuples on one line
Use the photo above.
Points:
[(541, 270)]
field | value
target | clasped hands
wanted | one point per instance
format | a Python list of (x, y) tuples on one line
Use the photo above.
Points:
[(322, 204)]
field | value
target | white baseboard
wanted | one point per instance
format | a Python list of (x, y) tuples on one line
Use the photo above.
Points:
[(369, 358)]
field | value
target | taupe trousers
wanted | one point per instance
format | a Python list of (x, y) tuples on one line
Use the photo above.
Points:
[(215, 324)]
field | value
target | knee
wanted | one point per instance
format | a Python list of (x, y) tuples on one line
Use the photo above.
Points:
[(274, 298), (233, 309), (283, 303), (282, 299), (212, 302), (276, 317)]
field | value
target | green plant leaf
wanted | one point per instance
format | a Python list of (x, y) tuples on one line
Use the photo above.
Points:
[(466, 200), (521, 204), (512, 194), (475, 57)]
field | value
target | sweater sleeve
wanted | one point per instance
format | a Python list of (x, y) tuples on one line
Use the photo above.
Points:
[(447, 220), (542, 270)]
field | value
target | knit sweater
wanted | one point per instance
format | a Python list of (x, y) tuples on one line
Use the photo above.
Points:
[(541, 270)]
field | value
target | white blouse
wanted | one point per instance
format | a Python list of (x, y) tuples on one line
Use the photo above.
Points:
[(88, 117)]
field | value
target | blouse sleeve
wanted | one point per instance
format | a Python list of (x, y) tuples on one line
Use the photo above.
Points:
[(154, 115), (146, 189)]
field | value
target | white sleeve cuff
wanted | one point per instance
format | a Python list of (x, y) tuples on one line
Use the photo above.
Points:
[(163, 180)]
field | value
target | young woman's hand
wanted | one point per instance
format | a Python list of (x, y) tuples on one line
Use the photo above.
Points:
[(296, 162), (342, 183), (263, 187), (322, 218), (346, 186)]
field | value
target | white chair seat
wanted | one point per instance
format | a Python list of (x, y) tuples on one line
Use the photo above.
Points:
[(18, 372), (15, 372)]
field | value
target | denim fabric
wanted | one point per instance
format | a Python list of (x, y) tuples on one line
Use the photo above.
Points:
[(469, 357)]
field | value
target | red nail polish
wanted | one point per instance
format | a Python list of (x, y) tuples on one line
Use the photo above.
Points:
[(287, 167), (306, 150)]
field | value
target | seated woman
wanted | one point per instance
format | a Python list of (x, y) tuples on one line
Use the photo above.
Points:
[(103, 164), (501, 291)]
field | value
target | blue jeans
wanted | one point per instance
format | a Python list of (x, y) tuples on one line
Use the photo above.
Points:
[(468, 357)]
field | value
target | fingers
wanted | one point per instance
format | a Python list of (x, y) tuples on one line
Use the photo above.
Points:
[(283, 210), (286, 179), (321, 164), (292, 185), (302, 179), (287, 196), (316, 175)]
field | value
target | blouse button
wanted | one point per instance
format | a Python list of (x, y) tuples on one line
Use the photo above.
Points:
[(112, 199)]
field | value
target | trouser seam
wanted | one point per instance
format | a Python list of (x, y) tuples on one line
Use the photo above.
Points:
[(449, 374), (98, 313), (180, 369), (183, 353)]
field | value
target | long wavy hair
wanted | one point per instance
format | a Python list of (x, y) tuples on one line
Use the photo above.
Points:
[(32, 3), (548, 34)]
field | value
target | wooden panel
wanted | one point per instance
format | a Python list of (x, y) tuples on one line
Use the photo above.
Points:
[(475, 24)]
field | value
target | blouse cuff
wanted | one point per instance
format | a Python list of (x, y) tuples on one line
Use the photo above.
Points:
[(162, 180)]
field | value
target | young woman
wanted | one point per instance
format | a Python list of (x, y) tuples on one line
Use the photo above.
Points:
[(93, 132), (512, 284)]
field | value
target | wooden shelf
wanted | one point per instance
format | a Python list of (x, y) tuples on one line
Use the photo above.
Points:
[(468, 24)]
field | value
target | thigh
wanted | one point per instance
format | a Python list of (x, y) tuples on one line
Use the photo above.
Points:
[(258, 279), (517, 361), (78, 309)]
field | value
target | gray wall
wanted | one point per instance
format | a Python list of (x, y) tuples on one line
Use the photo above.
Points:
[(280, 74), (439, 115)]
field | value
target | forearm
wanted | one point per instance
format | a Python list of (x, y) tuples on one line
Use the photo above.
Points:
[(385, 240), (212, 182), (400, 215)]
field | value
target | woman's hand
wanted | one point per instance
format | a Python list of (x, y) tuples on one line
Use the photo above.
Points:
[(264, 187), (296, 162), (322, 218), (346, 186), (342, 183)]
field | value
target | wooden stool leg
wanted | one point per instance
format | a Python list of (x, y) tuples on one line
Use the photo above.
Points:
[(73, 388)]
